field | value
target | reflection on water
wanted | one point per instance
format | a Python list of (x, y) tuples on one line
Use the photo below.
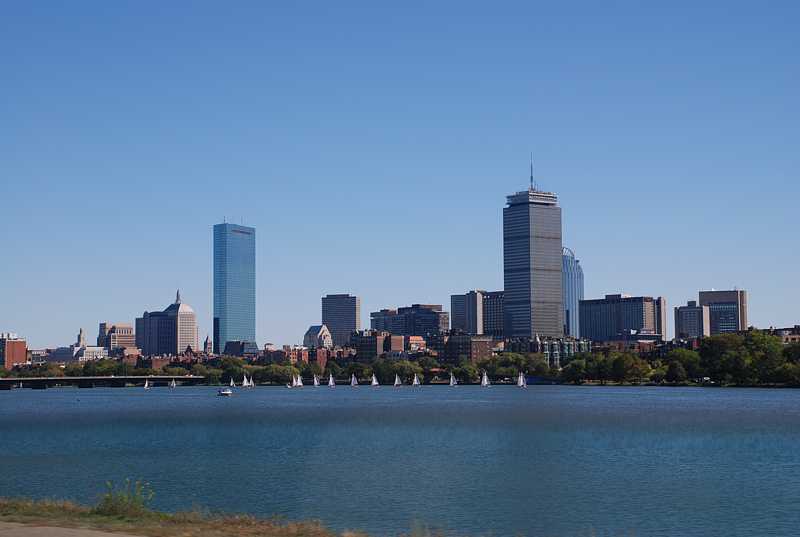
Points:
[(556, 461)]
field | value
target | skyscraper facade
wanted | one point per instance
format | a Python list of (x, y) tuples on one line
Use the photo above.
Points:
[(692, 321), (572, 292), (172, 331), (234, 284), (532, 265), (493, 316), (727, 310), (467, 312), (342, 315), (414, 320)]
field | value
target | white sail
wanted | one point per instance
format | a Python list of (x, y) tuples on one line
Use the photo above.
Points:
[(374, 380), (316, 381), (521, 381), (172, 383), (485, 380), (232, 383), (353, 380), (146, 384), (416, 380), (453, 380), (331, 382), (397, 381), (299, 380)]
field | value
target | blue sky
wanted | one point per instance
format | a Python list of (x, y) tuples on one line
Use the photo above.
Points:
[(373, 147)]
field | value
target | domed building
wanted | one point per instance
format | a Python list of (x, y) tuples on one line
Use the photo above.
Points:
[(169, 332)]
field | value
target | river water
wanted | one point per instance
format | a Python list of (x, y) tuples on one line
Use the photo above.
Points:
[(550, 460)]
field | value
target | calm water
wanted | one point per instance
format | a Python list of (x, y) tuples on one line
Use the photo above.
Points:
[(553, 461)]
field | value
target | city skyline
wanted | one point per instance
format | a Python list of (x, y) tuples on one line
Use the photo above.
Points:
[(398, 155)]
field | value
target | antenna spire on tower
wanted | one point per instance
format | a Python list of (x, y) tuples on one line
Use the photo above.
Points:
[(532, 188)]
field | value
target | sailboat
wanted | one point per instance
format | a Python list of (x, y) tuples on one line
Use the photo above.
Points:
[(146, 384), (245, 383), (233, 384), (416, 380), (522, 382), (353, 380), (453, 380), (397, 381), (485, 380), (316, 381), (172, 383), (299, 383), (374, 381), (331, 382)]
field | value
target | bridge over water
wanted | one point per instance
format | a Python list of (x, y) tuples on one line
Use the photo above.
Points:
[(41, 383)]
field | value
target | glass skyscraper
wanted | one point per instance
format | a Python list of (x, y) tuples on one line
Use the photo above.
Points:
[(572, 291), (532, 265), (234, 284)]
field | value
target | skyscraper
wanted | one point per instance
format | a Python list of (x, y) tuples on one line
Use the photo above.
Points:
[(572, 292), (234, 284), (727, 309), (172, 331), (532, 264), (467, 312), (692, 321), (342, 315)]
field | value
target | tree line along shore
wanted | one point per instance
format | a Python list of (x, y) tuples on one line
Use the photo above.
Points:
[(750, 359)]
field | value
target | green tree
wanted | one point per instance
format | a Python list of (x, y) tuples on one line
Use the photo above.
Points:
[(676, 373), (712, 355), (574, 372), (689, 360), (791, 353)]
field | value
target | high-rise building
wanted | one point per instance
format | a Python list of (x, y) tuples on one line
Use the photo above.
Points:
[(620, 316), (467, 312), (13, 350), (342, 315), (414, 320), (692, 321), (493, 314), (532, 264), (727, 310), (572, 292), (116, 336), (234, 284), (478, 313), (172, 331)]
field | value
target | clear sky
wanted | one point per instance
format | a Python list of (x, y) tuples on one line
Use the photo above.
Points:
[(373, 147)]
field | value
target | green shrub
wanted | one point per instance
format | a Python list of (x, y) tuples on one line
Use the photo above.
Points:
[(127, 501)]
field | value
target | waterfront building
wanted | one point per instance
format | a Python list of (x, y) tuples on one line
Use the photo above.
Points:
[(234, 284), (13, 350), (91, 353), (554, 350), (493, 314), (462, 346), (617, 316), (414, 320), (341, 313), (243, 349), (115, 336), (532, 264), (727, 310), (572, 292), (169, 332), (370, 344), (788, 336), (318, 336), (692, 321)]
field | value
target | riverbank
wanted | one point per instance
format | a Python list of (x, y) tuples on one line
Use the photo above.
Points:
[(44, 518)]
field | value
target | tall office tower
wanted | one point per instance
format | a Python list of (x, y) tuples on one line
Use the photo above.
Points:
[(116, 336), (572, 292), (234, 284), (617, 317), (493, 317), (532, 264), (172, 331), (342, 315), (727, 309), (467, 312), (692, 321)]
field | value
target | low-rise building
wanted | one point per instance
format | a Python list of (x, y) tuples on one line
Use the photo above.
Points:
[(318, 336), (462, 346), (13, 350)]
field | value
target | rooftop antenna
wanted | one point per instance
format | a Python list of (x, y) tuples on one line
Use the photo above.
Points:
[(533, 185)]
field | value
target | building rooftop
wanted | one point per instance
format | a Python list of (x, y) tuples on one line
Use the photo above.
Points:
[(532, 195)]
